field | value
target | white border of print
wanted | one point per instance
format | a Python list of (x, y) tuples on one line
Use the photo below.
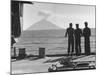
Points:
[(5, 36)]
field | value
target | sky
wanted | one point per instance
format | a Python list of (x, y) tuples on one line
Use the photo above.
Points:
[(59, 14)]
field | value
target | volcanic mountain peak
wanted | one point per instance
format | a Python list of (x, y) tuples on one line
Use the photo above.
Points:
[(43, 25)]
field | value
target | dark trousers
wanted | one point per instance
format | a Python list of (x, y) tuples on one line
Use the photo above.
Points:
[(87, 45), (70, 45), (78, 46)]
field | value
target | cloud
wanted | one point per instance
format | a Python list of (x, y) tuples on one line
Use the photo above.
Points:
[(44, 13)]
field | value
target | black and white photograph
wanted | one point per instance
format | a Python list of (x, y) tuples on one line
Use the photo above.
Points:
[(52, 37)]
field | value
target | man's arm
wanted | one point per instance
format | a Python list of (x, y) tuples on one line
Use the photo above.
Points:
[(66, 33)]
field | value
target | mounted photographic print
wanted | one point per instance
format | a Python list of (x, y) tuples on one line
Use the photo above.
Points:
[(52, 37)]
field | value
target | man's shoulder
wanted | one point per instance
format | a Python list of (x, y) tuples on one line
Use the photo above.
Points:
[(72, 28), (75, 29), (84, 29), (67, 28), (89, 28)]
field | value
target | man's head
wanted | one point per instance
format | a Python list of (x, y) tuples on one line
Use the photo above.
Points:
[(77, 25), (70, 25), (86, 24)]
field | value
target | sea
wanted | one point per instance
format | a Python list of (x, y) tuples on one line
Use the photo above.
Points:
[(53, 41)]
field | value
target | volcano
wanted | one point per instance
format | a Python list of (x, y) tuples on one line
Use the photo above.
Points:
[(43, 25)]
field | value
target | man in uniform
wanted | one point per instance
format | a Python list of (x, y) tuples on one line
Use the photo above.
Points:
[(87, 34), (70, 33), (78, 34)]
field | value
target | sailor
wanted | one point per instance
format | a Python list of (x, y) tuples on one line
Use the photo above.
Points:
[(87, 34), (78, 34), (70, 33)]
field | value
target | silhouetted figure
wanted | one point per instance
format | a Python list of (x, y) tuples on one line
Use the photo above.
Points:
[(78, 34), (87, 34), (70, 33)]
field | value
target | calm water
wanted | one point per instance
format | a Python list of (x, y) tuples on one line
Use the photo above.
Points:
[(52, 40)]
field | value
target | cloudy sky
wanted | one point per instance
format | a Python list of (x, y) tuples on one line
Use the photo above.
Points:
[(59, 14)]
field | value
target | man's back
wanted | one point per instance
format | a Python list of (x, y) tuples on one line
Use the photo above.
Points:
[(86, 32), (70, 32), (78, 33)]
